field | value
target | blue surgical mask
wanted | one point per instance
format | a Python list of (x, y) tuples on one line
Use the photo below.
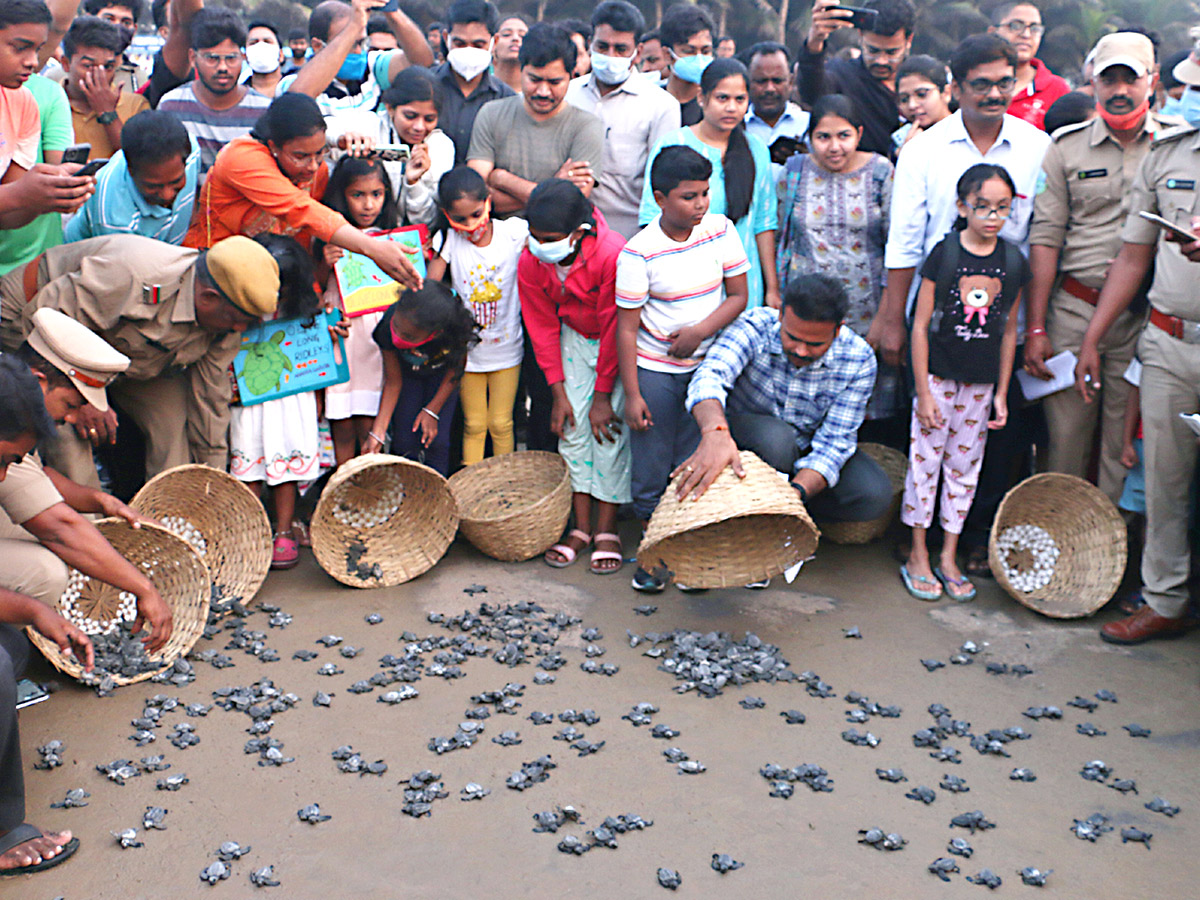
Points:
[(690, 68), (354, 68), (552, 252), (1189, 106), (1171, 107)]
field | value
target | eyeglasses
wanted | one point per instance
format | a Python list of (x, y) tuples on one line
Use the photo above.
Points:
[(984, 86), (230, 59), (1017, 27), (983, 211)]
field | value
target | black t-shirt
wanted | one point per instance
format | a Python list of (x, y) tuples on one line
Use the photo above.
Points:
[(162, 80), (967, 328), (425, 358), (690, 113)]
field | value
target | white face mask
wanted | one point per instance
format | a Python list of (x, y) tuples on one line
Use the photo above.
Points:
[(469, 62), (611, 69), (262, 57), (552, 252)]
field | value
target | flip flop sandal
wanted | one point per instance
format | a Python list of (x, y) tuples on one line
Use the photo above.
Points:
[(300, 530), (605, 555), (285, 552), (27, 832), (567, 552), (911, 583), (958, 583)]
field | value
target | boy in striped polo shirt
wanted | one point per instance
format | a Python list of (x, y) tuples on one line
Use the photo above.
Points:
[(679, 282)]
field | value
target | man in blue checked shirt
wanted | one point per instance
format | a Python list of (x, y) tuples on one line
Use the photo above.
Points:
[(148, 187), (791, 386)]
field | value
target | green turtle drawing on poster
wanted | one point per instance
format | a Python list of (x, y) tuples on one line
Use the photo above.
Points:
[(264, 365)]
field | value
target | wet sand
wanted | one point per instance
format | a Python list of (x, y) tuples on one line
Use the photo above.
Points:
[(804, 846)]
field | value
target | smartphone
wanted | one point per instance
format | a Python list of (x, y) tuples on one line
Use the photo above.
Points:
[(77, 153), (29, 693), (390, 6), (1177, 230), (390, 152), (91, 168), (861, 18), (784, 148)]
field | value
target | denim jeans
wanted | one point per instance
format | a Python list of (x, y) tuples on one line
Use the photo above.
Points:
[(672, 438)]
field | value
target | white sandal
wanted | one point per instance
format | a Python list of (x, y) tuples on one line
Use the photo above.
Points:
[(569, 554)]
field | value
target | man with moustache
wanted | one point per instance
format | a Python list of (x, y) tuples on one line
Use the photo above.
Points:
[(772, 115), (1081, 206)]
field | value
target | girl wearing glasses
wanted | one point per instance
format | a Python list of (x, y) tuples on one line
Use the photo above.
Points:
[(964, 339), (1037, 87)]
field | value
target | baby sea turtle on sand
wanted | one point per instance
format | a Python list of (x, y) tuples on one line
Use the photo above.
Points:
[(541, 718), (218, 871), (893, 775), (312, 814), (1083, 703), (391, 698), (1136, 730), (197, 709), (1043, 712), (973, 820), (472, 589), (1137, 835), (926, 737), (330, 669), (996, 668), (570, 733), (674, 755), (1159, 805), (1022, 774), (154, 764), (793, 717), (942, 867), (127, 838), (961, 659), (154, 817), (692, 767), (782, 789), (330, 640), (1090, 730), (572, 844), (663, 732), (361, 687), (349, 652), (507, 739), (852, 736), (987, 878), (1034, 877), (1124, 785), (1106, 696), (947, 754), (264, 877), (960, 847), (305, 655), (1096, 770), (373, 619), (669, 878), (925, 794), (171, 782), (587, 748), (473, 791), (932, 665), (231, 850), (1091, 828), (881, 840), (646, 610), (852, 632), (857, 716), (75, 798), (723, 862), (752, 703)]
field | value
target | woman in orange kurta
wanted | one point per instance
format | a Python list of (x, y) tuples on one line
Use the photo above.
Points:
[(269, 181)]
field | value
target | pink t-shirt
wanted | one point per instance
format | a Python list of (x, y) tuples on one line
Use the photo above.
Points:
[(20, 128)]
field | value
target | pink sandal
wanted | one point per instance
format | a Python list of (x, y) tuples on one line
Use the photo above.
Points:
[(605, 555), (567, 552), (286, 552)]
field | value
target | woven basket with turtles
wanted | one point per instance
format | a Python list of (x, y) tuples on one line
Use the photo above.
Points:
[(105, 613), (1058, 546), (740, 531), (895, 466), (515, 506), (382, 520), (222, 520)]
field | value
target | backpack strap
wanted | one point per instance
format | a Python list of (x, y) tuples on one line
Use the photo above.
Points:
[(947, 274)]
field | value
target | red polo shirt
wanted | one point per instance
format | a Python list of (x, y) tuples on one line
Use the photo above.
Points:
[(1031, 104)]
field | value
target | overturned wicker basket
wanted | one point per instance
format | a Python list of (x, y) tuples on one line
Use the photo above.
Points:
[(515, 506), (742, 530), (172, 565), (1089, 533), (231, 530), (895, 465), (382, 520)]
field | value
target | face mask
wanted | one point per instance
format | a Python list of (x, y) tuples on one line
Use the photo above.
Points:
[(262, 57), (469, 62), (473, 231), (611, 69), (401, 344), (354, 68), (1189, 106), (1171, 107), (690, 68), (552, 252), (1124, 121)]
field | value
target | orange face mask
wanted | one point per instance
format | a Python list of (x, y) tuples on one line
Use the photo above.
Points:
[(474, 229)]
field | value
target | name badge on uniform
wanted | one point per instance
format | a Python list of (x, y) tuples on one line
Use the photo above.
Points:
[(1091, 173), (151, 293), (1181, 184)]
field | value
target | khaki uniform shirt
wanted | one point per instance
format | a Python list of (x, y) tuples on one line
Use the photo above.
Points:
[(26, 491), (107, 283), (1168, 184), (1084, 194)]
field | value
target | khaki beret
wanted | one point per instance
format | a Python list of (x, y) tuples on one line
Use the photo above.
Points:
[(246, 273), (79, 353)]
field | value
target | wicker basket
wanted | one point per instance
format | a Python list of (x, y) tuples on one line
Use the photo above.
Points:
[(231, 521), (1090, 535), (895, 464), (739, 531), (515, 506), (172, 565), (359, 539)]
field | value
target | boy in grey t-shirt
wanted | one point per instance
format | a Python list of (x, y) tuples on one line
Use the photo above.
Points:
[(520, 141)]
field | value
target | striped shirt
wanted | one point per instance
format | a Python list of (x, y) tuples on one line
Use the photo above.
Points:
[(747, 372), (213, 128), (676, 284)]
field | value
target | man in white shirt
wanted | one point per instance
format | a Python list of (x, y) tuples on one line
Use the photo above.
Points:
[(924, 194), (772, 115), (634, 110)]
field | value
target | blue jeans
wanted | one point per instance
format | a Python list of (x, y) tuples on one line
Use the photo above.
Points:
[(672, 438), (416, 392), (863, 491)]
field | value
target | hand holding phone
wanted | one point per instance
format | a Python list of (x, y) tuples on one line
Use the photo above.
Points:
[(77, 153), (784, 148), (91, 168), (1178, 231), (860, 17), (389, 152)]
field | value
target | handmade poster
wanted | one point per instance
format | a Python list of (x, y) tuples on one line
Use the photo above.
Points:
[(367, 288), (284, 357)]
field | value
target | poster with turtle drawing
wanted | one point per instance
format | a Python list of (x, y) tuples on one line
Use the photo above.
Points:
[(367, 288), (289, 356)]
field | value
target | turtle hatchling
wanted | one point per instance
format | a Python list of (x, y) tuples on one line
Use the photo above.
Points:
[(1136, 730), (171, 782), (507, 739), (373, 618), (669, 878), (851, 736), (723, 862), (972, 820), (932, 665), (76, 797), (691, 767), (218, 871), (1090, 730), (942, 867), (231, 850), (1022, 774), (1106, 695), (127, 838), (1137, 835), (959, 847), (1124, 785), (572, 844), (893, 775), (154, 817), (987, 878), (312, 814), (474, 791), (1083, 703), (1091, 828), (664, 732), (925, 794), (1034, 877), (793, 717), (752, 703), (330, 640), (675, 755), (1159, 805), (264, 877)]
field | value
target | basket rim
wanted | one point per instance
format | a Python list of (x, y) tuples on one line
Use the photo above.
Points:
[(467, 473)]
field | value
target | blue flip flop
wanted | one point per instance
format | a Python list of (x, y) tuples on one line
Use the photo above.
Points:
[(957, 582), (911, 583)]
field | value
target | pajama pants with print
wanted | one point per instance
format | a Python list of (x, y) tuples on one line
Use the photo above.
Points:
[(955, 451)]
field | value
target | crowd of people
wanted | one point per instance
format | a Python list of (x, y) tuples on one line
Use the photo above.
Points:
[(645, 250)]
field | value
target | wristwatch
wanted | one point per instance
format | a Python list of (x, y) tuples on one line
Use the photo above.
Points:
[(107, 118), (800, 489)]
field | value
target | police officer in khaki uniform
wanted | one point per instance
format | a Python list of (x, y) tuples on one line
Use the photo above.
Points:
[(42, 530), (1081, 206), (176, 312), (1168, 185)]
